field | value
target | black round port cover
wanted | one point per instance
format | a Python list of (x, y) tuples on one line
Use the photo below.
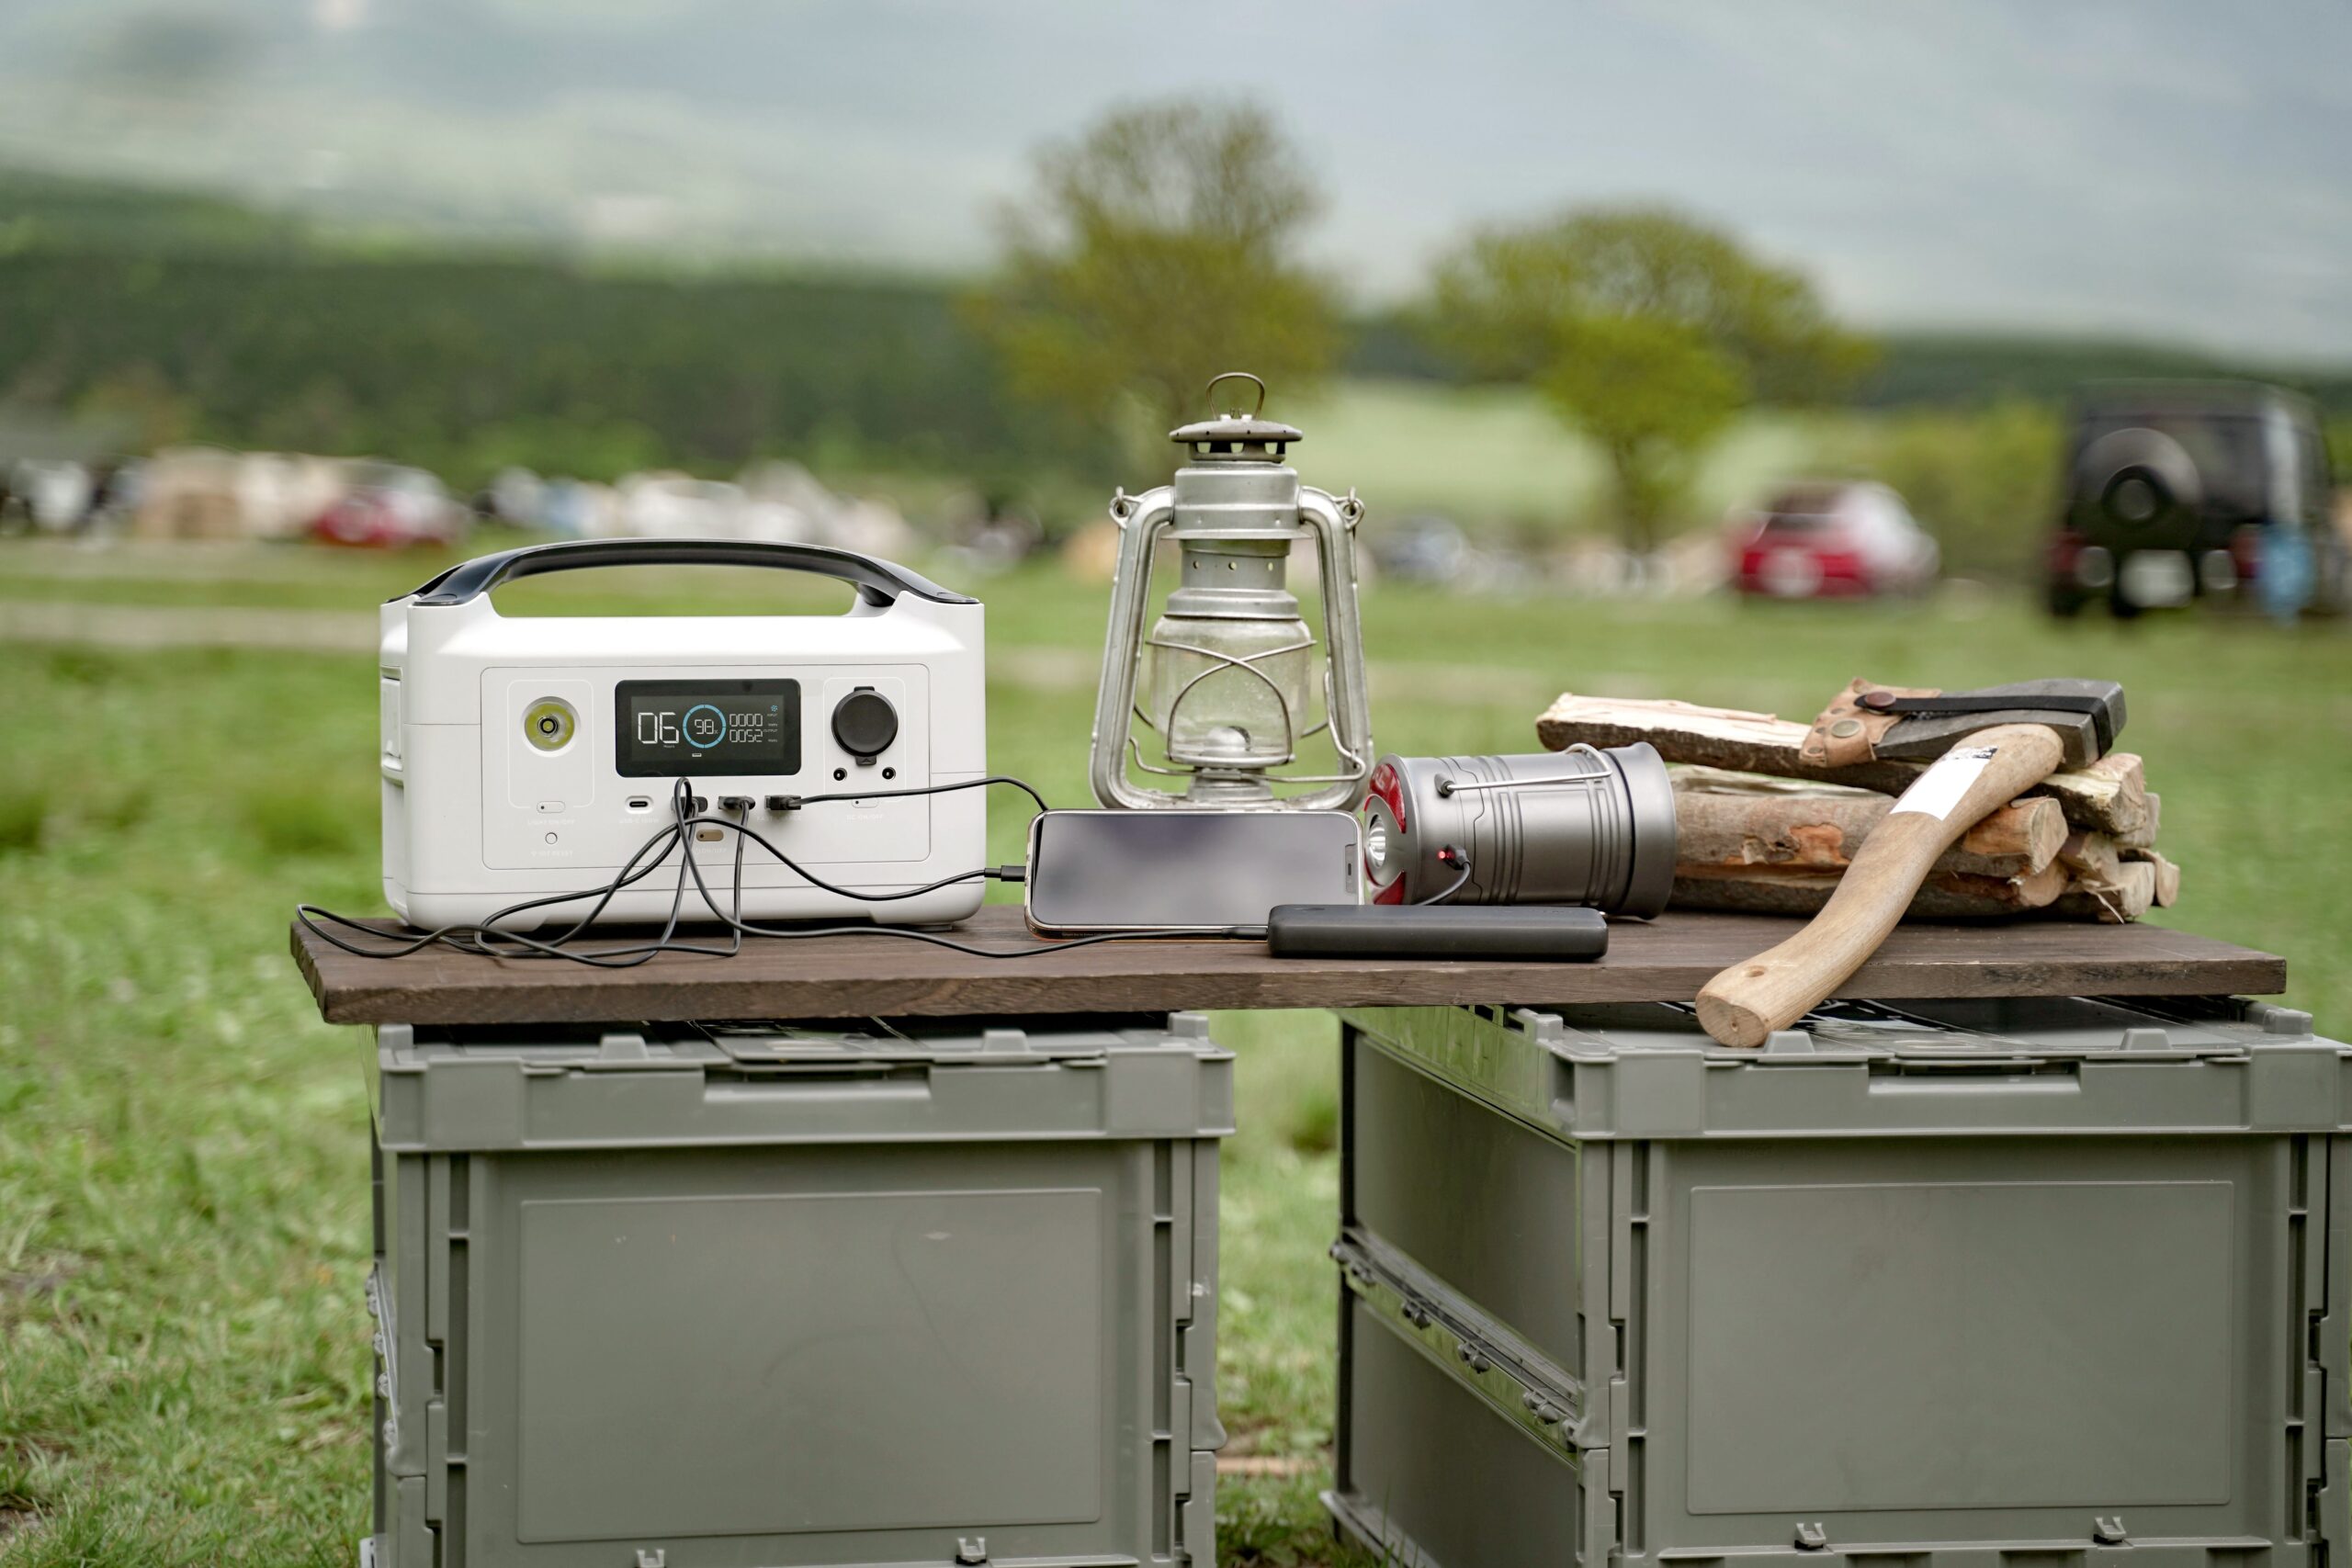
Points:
[(865, 723)]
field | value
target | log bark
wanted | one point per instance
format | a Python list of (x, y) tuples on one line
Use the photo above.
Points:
[(1947, 895), (1799, 832), (2110, 795)]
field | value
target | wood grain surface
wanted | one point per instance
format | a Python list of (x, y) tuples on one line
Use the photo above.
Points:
[(855, 976)]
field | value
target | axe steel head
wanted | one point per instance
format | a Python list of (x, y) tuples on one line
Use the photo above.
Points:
[(2086, 736)]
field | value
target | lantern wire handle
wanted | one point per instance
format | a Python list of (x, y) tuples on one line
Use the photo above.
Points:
[(1210, 390), (1451, 787)]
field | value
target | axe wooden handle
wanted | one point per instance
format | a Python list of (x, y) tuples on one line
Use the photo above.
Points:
[(1779, 986)]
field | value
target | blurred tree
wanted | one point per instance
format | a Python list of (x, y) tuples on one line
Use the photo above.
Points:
[(1644, 329), (139, 406), (1156, 251)]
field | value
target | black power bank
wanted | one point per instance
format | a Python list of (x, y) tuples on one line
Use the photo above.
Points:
[(1539, 931)]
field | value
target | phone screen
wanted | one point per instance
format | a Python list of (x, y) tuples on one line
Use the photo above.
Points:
[(1161, 869)]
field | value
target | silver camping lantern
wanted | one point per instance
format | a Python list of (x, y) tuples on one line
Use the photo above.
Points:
[(1231, 676)]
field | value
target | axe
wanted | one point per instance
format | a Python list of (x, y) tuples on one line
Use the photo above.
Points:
[(1990, 746)]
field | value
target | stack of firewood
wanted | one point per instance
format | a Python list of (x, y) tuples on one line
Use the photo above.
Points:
[(1761, 829)]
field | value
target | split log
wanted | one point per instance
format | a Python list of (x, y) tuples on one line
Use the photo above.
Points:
[(2091, 857), (1718, 737), (2098, 862), (2109, 794), (2167, 892), (2021, 836), (2144, 835), (1772, 831), (2126, 897), (1948, 895), (1723, 781)]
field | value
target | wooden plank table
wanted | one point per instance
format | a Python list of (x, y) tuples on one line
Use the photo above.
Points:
[(857, 976)]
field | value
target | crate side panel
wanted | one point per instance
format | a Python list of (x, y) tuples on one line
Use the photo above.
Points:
[(828, 1355), (1435, 1476), (1979, 1340), (1477, 1198)]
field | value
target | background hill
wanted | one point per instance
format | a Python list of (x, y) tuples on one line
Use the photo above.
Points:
[(159, 316)]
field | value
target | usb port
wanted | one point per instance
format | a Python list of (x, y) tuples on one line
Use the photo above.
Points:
[(640, 803)]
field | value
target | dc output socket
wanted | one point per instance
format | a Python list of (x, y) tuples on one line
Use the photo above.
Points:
[(865, 724)]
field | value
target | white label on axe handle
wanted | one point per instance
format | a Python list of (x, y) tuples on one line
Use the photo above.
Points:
[(1937, 791)]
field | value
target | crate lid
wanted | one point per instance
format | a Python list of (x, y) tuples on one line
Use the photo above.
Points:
[(1973, 1033), (874, 1043), (490, 1088), (1976, 1065)]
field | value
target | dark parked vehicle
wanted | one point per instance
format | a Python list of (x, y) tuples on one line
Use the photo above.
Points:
[(2177, 492)]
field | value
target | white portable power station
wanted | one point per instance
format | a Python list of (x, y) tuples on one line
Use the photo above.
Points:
[(523, 757)]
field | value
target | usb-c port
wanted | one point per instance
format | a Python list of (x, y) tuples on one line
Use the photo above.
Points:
[(640, 803)]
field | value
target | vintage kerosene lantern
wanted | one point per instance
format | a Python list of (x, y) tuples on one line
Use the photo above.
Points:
[(1230, 678)]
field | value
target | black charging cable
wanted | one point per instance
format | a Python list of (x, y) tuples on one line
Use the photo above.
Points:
[(485, 938)]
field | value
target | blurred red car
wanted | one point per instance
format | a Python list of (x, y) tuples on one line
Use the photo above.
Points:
[(1832, 541), (387, 506)]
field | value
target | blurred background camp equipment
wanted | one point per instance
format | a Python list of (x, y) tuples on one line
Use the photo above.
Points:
[(390, 506), (1580, 827), (1231, 675), (1990, 745), (1761, 828), (2198, 491)]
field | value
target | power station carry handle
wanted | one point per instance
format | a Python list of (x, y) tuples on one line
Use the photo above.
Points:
[(878, 583)]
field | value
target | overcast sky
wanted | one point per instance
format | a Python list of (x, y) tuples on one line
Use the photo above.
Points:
[(2177, 170)]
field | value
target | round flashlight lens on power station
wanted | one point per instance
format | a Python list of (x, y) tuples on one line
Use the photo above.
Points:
[(550, 724)]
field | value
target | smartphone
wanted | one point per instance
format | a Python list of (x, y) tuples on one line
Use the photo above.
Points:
[(1181, 870)]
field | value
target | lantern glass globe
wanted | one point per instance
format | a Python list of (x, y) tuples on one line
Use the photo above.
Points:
[(1231, 691)]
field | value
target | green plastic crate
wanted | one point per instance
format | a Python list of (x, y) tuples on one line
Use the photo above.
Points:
[(2023, 1283), (734, 1297)]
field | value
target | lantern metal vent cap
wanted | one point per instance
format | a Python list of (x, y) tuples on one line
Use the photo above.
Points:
[(1236, 437)]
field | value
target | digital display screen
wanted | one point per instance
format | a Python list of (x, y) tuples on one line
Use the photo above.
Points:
[(731, 729)]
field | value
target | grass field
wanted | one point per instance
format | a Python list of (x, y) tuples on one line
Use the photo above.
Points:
[(183, 1360)]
